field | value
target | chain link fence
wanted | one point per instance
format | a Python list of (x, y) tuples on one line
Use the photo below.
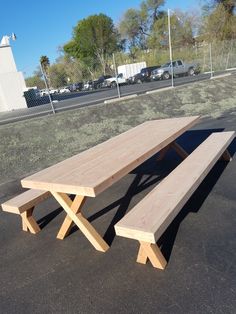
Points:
[(67, 85)]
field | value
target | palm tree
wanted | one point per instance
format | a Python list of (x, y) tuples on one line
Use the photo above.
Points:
[(45, 63)]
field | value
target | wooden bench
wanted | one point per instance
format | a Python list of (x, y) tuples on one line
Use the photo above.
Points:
[(147, 221), (23, 205)]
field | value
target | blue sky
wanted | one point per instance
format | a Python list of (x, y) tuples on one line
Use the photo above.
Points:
[(42, 26)]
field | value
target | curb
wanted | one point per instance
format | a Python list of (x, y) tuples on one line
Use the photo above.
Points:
[(230, 69), (120, 99), (219, 76), (159, 90)]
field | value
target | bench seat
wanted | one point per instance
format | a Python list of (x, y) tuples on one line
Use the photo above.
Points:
[(23, 205), (147, 221)]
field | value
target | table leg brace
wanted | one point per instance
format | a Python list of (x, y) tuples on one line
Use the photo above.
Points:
[(86, 228)]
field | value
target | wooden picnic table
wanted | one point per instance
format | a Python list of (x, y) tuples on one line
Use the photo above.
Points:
[(91, 172)]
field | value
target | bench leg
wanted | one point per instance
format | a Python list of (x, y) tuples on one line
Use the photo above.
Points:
[(76, 206), (153, 253), (142, 257), (28, 222), (226, 156), (86, 228)]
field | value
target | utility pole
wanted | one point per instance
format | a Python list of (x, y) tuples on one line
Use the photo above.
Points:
[(210, 49), (170, 47), (117, 84), (48, 91)]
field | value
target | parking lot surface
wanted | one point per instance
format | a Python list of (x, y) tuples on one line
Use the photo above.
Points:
[(40, 274)]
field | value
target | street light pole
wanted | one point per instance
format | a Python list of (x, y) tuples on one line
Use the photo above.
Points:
[(170, 47)]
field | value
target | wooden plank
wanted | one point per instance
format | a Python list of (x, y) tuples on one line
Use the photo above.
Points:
[(91, 172), (86, 228), (24, 201), (149, 218)]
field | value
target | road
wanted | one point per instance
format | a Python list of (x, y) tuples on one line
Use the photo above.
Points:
[(86, 98), (97, 96)]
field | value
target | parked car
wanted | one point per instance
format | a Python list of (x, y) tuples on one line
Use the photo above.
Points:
[(112, 81), (144, 75), (88, 85), (179, 68), (76, 87), (100, 82), (53, 91), (43, 92), (64, 90)]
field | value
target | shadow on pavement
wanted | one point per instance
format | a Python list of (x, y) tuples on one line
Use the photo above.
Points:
[(149, 174)]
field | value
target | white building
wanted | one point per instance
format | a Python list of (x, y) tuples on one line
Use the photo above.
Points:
[(12, 83)]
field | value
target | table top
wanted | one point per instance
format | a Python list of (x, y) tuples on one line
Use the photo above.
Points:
[(94, 170)]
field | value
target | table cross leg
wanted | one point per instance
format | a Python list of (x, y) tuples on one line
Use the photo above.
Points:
[(226, 156), (153, 253), (162, 153), (86, 228), (28, 222), (179, 150), (67, 223)]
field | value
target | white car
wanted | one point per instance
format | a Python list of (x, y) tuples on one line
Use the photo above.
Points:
[(44, 92), (53, 91), (64, 90)]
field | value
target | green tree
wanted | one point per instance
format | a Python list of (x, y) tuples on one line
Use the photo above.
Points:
[(94, 40), (219, 21), (58, 75), (182, 25), (137, 24), (35, 80), (132, 27), (152, 10)]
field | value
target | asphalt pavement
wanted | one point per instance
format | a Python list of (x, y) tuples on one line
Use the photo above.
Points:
[(40, 274)]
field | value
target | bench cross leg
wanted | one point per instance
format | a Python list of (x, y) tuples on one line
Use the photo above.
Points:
[(86, 228), (153, 253), (179, 150), (28, 222)]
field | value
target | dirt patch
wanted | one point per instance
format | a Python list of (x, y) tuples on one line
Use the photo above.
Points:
[(31, 145)]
